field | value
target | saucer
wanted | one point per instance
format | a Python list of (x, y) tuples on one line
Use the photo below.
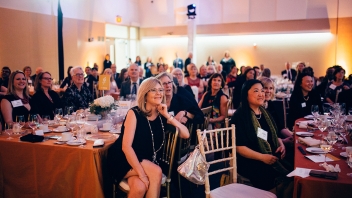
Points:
[(75, 142), (304, 134), (104, 130), (56, 130), (343, 154)]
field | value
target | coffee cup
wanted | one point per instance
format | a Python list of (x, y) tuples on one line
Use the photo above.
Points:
[(349, 150), (66, 136), (44, 127), (61, 128), (107, 126)]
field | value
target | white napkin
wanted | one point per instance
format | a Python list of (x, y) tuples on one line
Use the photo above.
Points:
[(331, 168), (98, 142), (301, 172), (304, 124), (309, 141)]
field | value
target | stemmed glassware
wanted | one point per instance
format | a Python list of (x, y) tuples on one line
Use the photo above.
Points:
[(80, 121), (71, 123), (8, 130), (68, 111), (58, 114), (33, 121), (326, 148), (45, 119), (20, 120), (315, 112), (322, 123)]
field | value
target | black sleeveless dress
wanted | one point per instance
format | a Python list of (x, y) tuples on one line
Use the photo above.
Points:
[(142, 144)]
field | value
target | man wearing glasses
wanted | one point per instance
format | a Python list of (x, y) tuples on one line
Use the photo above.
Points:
[(77, 95), (4, 80)]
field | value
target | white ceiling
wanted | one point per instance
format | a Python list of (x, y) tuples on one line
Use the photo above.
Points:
[(158, 13)]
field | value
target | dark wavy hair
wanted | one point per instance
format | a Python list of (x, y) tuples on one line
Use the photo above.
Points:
[(215, 75), (297, 88), (338, 70), (248, 70)]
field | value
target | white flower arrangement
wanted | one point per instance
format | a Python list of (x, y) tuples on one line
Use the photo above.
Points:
[(102, 104)]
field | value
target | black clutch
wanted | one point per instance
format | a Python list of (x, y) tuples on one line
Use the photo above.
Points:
[(32, 138), (323, 174)]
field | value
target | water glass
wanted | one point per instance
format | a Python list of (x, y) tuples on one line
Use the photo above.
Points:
[(33, 121), (58, 114), (8, 130), (20, 120), (45, 119)]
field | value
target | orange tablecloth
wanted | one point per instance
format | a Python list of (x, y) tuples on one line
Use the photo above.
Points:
[(323, 188), (49, 170)]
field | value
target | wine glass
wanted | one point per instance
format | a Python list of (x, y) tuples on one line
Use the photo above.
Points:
[(323, 123), (80, 120), (71, 123), (20, 120), (326, 148), (315, 112), (33, 121), (326, 108), (58, 114), (68, 111), (45, 119), (331, 139), (8, 130)]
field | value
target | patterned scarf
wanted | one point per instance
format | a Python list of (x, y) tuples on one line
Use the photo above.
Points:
[(264, 146)]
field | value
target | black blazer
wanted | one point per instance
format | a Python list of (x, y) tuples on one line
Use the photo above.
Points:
[(126, 87), (293, 72), (41, 104)]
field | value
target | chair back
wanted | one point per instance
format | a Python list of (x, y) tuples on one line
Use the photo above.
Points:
[(168, 150), (280, 108), (207, 113), (184, 145), (219, 140)]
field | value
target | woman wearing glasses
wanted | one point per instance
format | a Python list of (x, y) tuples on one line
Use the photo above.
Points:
[(44, 96), (135, 155), (77, 95), (16, 101)]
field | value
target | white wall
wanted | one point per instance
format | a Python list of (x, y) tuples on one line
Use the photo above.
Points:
[(90, 10)]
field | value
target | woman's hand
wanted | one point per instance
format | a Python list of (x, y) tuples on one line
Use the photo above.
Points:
[(269, 159), (145, 180), (180, 115), (281, 149), (162, 109), (345, 87)]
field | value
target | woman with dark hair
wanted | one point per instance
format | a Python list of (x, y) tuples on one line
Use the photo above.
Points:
[(122, 77), (231, 77), (215, 98), (68, 80), (17, 100), (138, 61), (135, 156), (266, 73), (44, 96), (260, 152), (336, 86), (247, 75), (242, 70), (302, 98)]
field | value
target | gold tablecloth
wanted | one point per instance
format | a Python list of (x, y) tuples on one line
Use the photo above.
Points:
[(48, 170)]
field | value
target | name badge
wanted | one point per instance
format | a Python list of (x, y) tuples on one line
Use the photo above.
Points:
[(332, 86), (303, 104), (17, 103), (171, 113), (262, 134)]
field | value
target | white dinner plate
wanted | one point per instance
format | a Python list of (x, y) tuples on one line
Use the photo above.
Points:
[(47, 131), (315, 150), (75, 143), (304, 134), (104, 130), (56, 130), (309, 117), (349, 119), (115, 131), (343, 154)]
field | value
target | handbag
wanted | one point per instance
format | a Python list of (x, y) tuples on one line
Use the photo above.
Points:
[(195, 167)]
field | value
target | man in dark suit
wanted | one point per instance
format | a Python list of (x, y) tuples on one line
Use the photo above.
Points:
[(178, 63), (132, 84), (187, 62), (289, 72), (114, 73)]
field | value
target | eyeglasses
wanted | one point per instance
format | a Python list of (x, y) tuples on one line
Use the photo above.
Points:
[(46, 78), (167, 83), (160, 90), (177, 74), (79, 75)]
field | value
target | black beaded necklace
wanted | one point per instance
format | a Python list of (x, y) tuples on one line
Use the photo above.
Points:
[(151, 131)]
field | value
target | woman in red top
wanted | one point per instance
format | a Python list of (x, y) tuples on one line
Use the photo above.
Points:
[(193, 80)]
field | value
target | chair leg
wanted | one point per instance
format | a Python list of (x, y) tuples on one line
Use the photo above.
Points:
[(179, 185), (114, 191), (168, 189)]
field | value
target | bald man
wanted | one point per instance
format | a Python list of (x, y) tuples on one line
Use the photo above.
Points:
[(38, 70), (132, 84)]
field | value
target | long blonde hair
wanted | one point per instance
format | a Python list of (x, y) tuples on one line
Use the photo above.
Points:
[(11, 88), (143, 90)]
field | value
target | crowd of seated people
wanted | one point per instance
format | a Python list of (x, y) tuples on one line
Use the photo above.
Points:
[(162, 91)]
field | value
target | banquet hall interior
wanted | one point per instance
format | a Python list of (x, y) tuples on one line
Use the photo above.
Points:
[(56, 36)]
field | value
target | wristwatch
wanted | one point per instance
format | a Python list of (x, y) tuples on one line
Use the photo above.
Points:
[(186, 115)]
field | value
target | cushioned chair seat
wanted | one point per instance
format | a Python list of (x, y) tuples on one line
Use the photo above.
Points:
[(124, 184), (240, 190)]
